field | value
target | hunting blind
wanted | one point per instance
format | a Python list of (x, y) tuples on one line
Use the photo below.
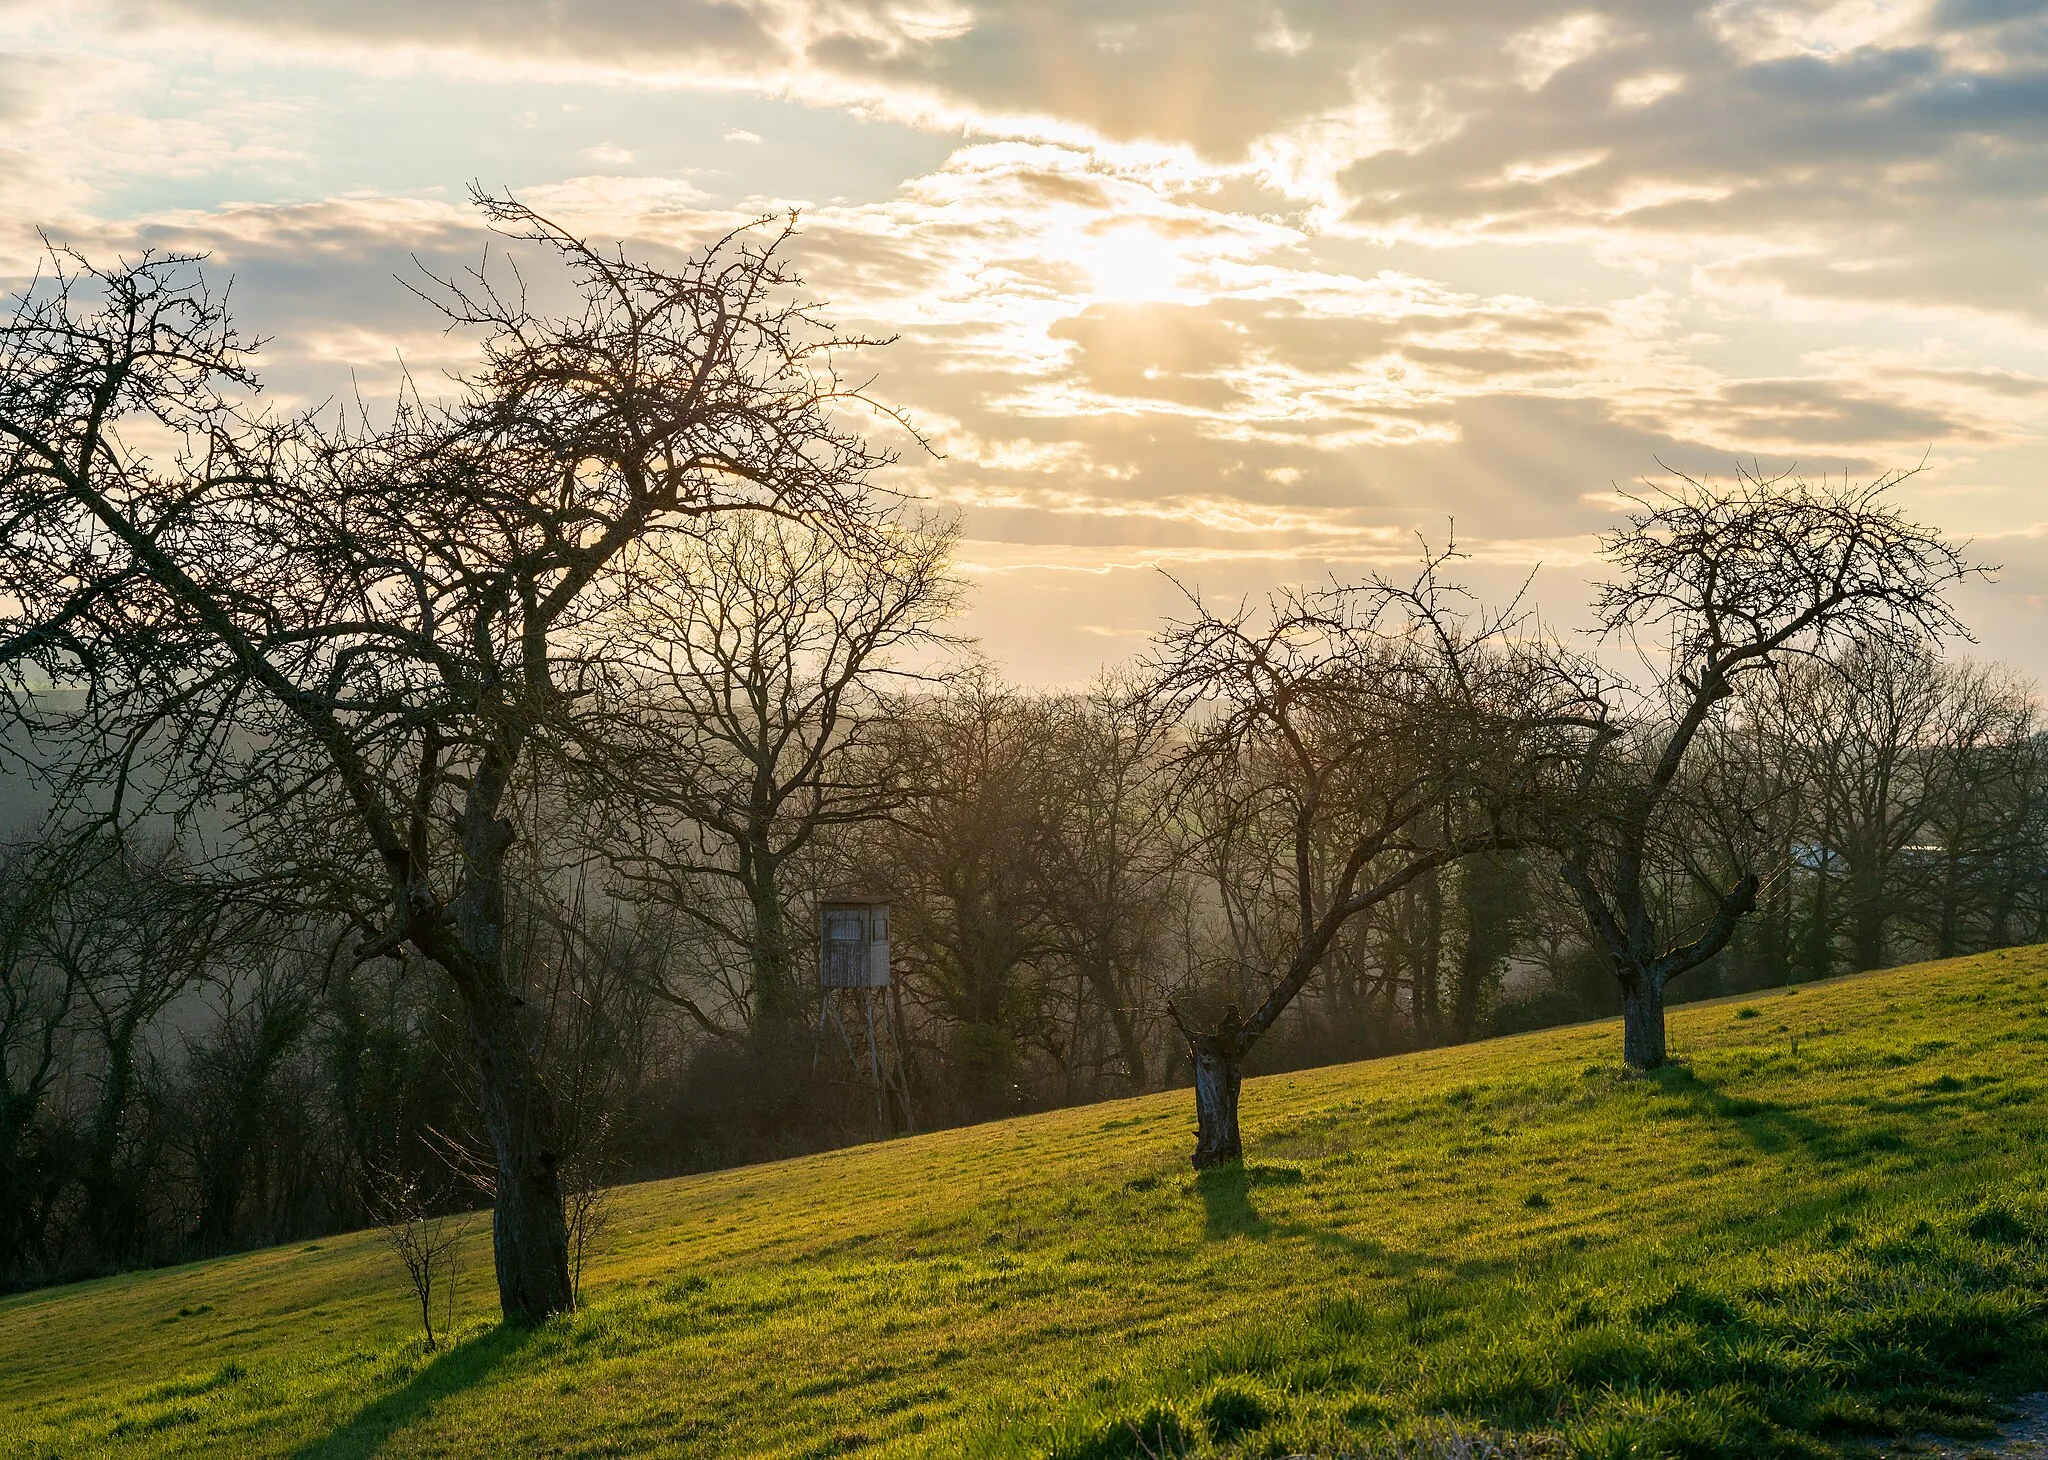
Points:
[(853, 966)]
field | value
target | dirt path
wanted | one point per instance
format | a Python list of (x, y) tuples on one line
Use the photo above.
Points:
[(2024, 1437)]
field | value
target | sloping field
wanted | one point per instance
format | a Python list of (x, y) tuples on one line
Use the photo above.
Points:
[(1829, 1223)]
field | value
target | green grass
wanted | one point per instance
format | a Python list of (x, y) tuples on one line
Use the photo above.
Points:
[(1828, 1224)]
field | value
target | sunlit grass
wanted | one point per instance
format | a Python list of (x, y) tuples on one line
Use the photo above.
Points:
[(1829, 1223)]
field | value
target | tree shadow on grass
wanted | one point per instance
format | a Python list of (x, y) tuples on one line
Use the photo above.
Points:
[(1226, 1193), (448, 1373), (1776, 1129), (1771, 1128)]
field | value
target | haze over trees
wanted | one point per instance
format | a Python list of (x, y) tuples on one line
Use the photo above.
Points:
[(385, 637), (751, 692), (455, 794)]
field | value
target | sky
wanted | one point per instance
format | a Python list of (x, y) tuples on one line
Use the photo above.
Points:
[(1186, 296)]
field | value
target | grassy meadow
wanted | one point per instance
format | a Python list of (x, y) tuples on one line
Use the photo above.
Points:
[(1827, 1224)]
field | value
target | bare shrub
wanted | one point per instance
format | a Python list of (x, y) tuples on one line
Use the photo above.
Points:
[(426, 1238)]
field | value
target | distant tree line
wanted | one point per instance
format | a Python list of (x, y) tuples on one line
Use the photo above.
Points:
[(187, 1075), (444, 807)]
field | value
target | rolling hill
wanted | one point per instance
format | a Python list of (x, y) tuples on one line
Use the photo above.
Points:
[(1828, 1223)]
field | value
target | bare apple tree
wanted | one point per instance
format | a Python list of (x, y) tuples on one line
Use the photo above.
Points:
[(1344, 744), (1712, 585), (360, 644)]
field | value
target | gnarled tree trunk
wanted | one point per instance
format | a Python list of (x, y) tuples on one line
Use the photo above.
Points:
[(529, 1234), (1218, 1058), (1642, 1021), (529, 1237), (1625, 931), (1217, 1078), (111, 1201)]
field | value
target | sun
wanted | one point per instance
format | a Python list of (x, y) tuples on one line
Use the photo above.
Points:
[(1132, 263)]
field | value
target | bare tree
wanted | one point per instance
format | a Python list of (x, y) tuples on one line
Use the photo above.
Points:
[(426, 1238), (1983, 809), (1109, 867), (589, 964), (232, 1077), (39, 1013), (1357, 740), (362, 643), (133, 932), (1875, 708), (748, 729), (587, 1183), (975, 952), (1713, 585)]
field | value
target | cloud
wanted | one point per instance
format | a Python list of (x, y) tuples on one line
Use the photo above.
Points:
[(1827, 150), (320, 285), (1266, 288), (622, 35), (1844, 153), (1260, 403)]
